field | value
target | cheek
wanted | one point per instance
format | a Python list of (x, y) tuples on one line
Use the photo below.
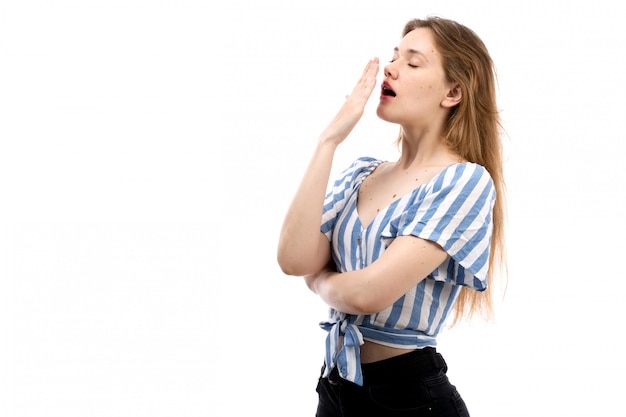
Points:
[(428, 91), (428, 83)]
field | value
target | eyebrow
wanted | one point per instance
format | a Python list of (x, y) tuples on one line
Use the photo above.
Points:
[(412, 52)]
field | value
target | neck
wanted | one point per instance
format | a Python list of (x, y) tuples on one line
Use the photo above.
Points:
[(424, 148)]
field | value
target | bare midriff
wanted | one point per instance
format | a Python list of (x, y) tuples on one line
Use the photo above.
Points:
[(374, 352)]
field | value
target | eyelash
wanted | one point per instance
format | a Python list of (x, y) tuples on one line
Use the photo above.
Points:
[(410, 65)]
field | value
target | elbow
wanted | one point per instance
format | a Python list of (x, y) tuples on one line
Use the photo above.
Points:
[(293, 267), (287, 267), (286, 261), (296, 262)]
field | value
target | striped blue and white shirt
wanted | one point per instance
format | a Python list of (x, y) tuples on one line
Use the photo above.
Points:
[(454, 209)]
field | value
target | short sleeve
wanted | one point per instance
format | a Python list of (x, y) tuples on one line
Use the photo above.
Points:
[(341, 190), (455, 211)]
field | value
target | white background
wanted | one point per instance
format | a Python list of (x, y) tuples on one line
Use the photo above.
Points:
[(149, 149)]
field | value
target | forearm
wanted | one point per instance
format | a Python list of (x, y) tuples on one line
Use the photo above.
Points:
[(302, 249), (406, 262)]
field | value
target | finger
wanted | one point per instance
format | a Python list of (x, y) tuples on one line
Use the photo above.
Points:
[(366, 69), (368, 82), (370, 68), (369, 75)]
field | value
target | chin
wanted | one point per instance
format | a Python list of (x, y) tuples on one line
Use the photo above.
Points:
[(380, 112)]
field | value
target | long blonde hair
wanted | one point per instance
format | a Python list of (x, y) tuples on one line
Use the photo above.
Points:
[(474, 132)]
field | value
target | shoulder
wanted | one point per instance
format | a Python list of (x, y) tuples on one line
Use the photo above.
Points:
[(463, 175), (360, 166), (366, 161)]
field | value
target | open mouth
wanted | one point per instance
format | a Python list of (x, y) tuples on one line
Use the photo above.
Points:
[(386, 91)]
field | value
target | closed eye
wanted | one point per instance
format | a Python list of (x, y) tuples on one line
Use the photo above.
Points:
[(410, 65)]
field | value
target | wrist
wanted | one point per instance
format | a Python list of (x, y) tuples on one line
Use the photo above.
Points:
[(328, 141), (311, 282), (322, 282)]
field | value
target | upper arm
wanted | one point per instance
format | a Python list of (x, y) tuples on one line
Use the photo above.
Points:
[(406, 262)]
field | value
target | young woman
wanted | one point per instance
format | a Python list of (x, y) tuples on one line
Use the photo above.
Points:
[(403, 245)]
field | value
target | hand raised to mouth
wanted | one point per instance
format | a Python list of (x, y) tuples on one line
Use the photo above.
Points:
[(352, 109)]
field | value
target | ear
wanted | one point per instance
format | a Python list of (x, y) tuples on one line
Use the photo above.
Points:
[(453, 97)]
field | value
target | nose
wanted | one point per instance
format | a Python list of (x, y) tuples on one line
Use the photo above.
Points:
[(390, 71)]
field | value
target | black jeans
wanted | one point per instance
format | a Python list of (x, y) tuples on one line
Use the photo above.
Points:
[(414, 384)]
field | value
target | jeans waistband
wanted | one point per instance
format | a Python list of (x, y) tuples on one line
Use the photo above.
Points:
[(417, 362)]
